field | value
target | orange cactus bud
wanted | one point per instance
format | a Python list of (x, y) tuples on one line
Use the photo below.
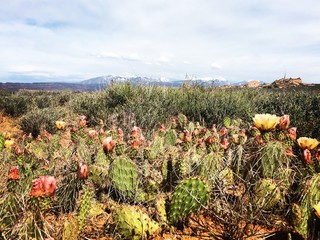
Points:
[(223, 131), (307, 156), (224, 143), (108, 144), (83, 170), (44, 186), (284, 122), (82, 121), (318, 155), (134, 132), (187, 136), (19, 150), (214, 128), (93, 134), (292, 133), (195, 132), (14, 173), (209, 140)]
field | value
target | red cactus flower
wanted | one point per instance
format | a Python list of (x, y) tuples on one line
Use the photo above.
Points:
[(214, 128), (14, 173), (92, 134), (135, 132), (289, 152), (44, 186), (108, 144), (37, 188), (120, 135), (200, 142), (195, 132), (203, 131), (19, 150), (187, 136), (83, 170), (223, 131), (49, 185), (82, 121), (101, 131), (318, 155), (307, 156), (224, 143), (292, 133), (209, 140), (284, 122)]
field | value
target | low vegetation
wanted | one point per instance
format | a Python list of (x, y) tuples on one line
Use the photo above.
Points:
[(139, 162)]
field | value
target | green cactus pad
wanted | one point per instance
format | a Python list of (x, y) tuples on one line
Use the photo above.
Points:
[(189, 196), (132, 223), (123, 175), (170, 137), (266, 194), (273, 159), (227, 122), (310, 196)]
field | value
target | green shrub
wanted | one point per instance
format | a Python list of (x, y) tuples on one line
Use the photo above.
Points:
[(41, 119)]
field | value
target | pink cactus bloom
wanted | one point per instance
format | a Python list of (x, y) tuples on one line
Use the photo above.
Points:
[(284, 122)]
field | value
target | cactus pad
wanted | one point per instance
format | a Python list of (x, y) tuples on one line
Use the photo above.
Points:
[(189, 196), (123, 175), (266, 194), (132, 223)]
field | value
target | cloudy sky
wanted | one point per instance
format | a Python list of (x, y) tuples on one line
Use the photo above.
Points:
[(234, 40)]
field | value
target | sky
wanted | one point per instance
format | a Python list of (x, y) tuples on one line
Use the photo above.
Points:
[(73, 40)]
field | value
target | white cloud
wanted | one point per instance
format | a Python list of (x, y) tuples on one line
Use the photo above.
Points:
[(215, 65), (156, 37)]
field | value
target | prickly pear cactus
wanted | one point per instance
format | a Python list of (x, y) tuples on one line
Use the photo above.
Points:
[(182, 120), (99, 175), (160, 206), (123, 174), (266, 194), (310, 197), (170, 137), (227, 122), (133, 223), (189, 196), (85, 206), (70, 228), (273, 159)]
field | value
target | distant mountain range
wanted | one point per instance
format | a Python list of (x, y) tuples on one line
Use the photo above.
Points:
[(102, 82), (205, 82)]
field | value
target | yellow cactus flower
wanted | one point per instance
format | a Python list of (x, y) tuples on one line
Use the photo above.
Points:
[(307, 143), (317, 209), (9, 143), (265, 122), (60, 125)]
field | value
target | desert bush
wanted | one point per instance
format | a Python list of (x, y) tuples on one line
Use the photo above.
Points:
[(90, 105), (41, 119), (16, 104)]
